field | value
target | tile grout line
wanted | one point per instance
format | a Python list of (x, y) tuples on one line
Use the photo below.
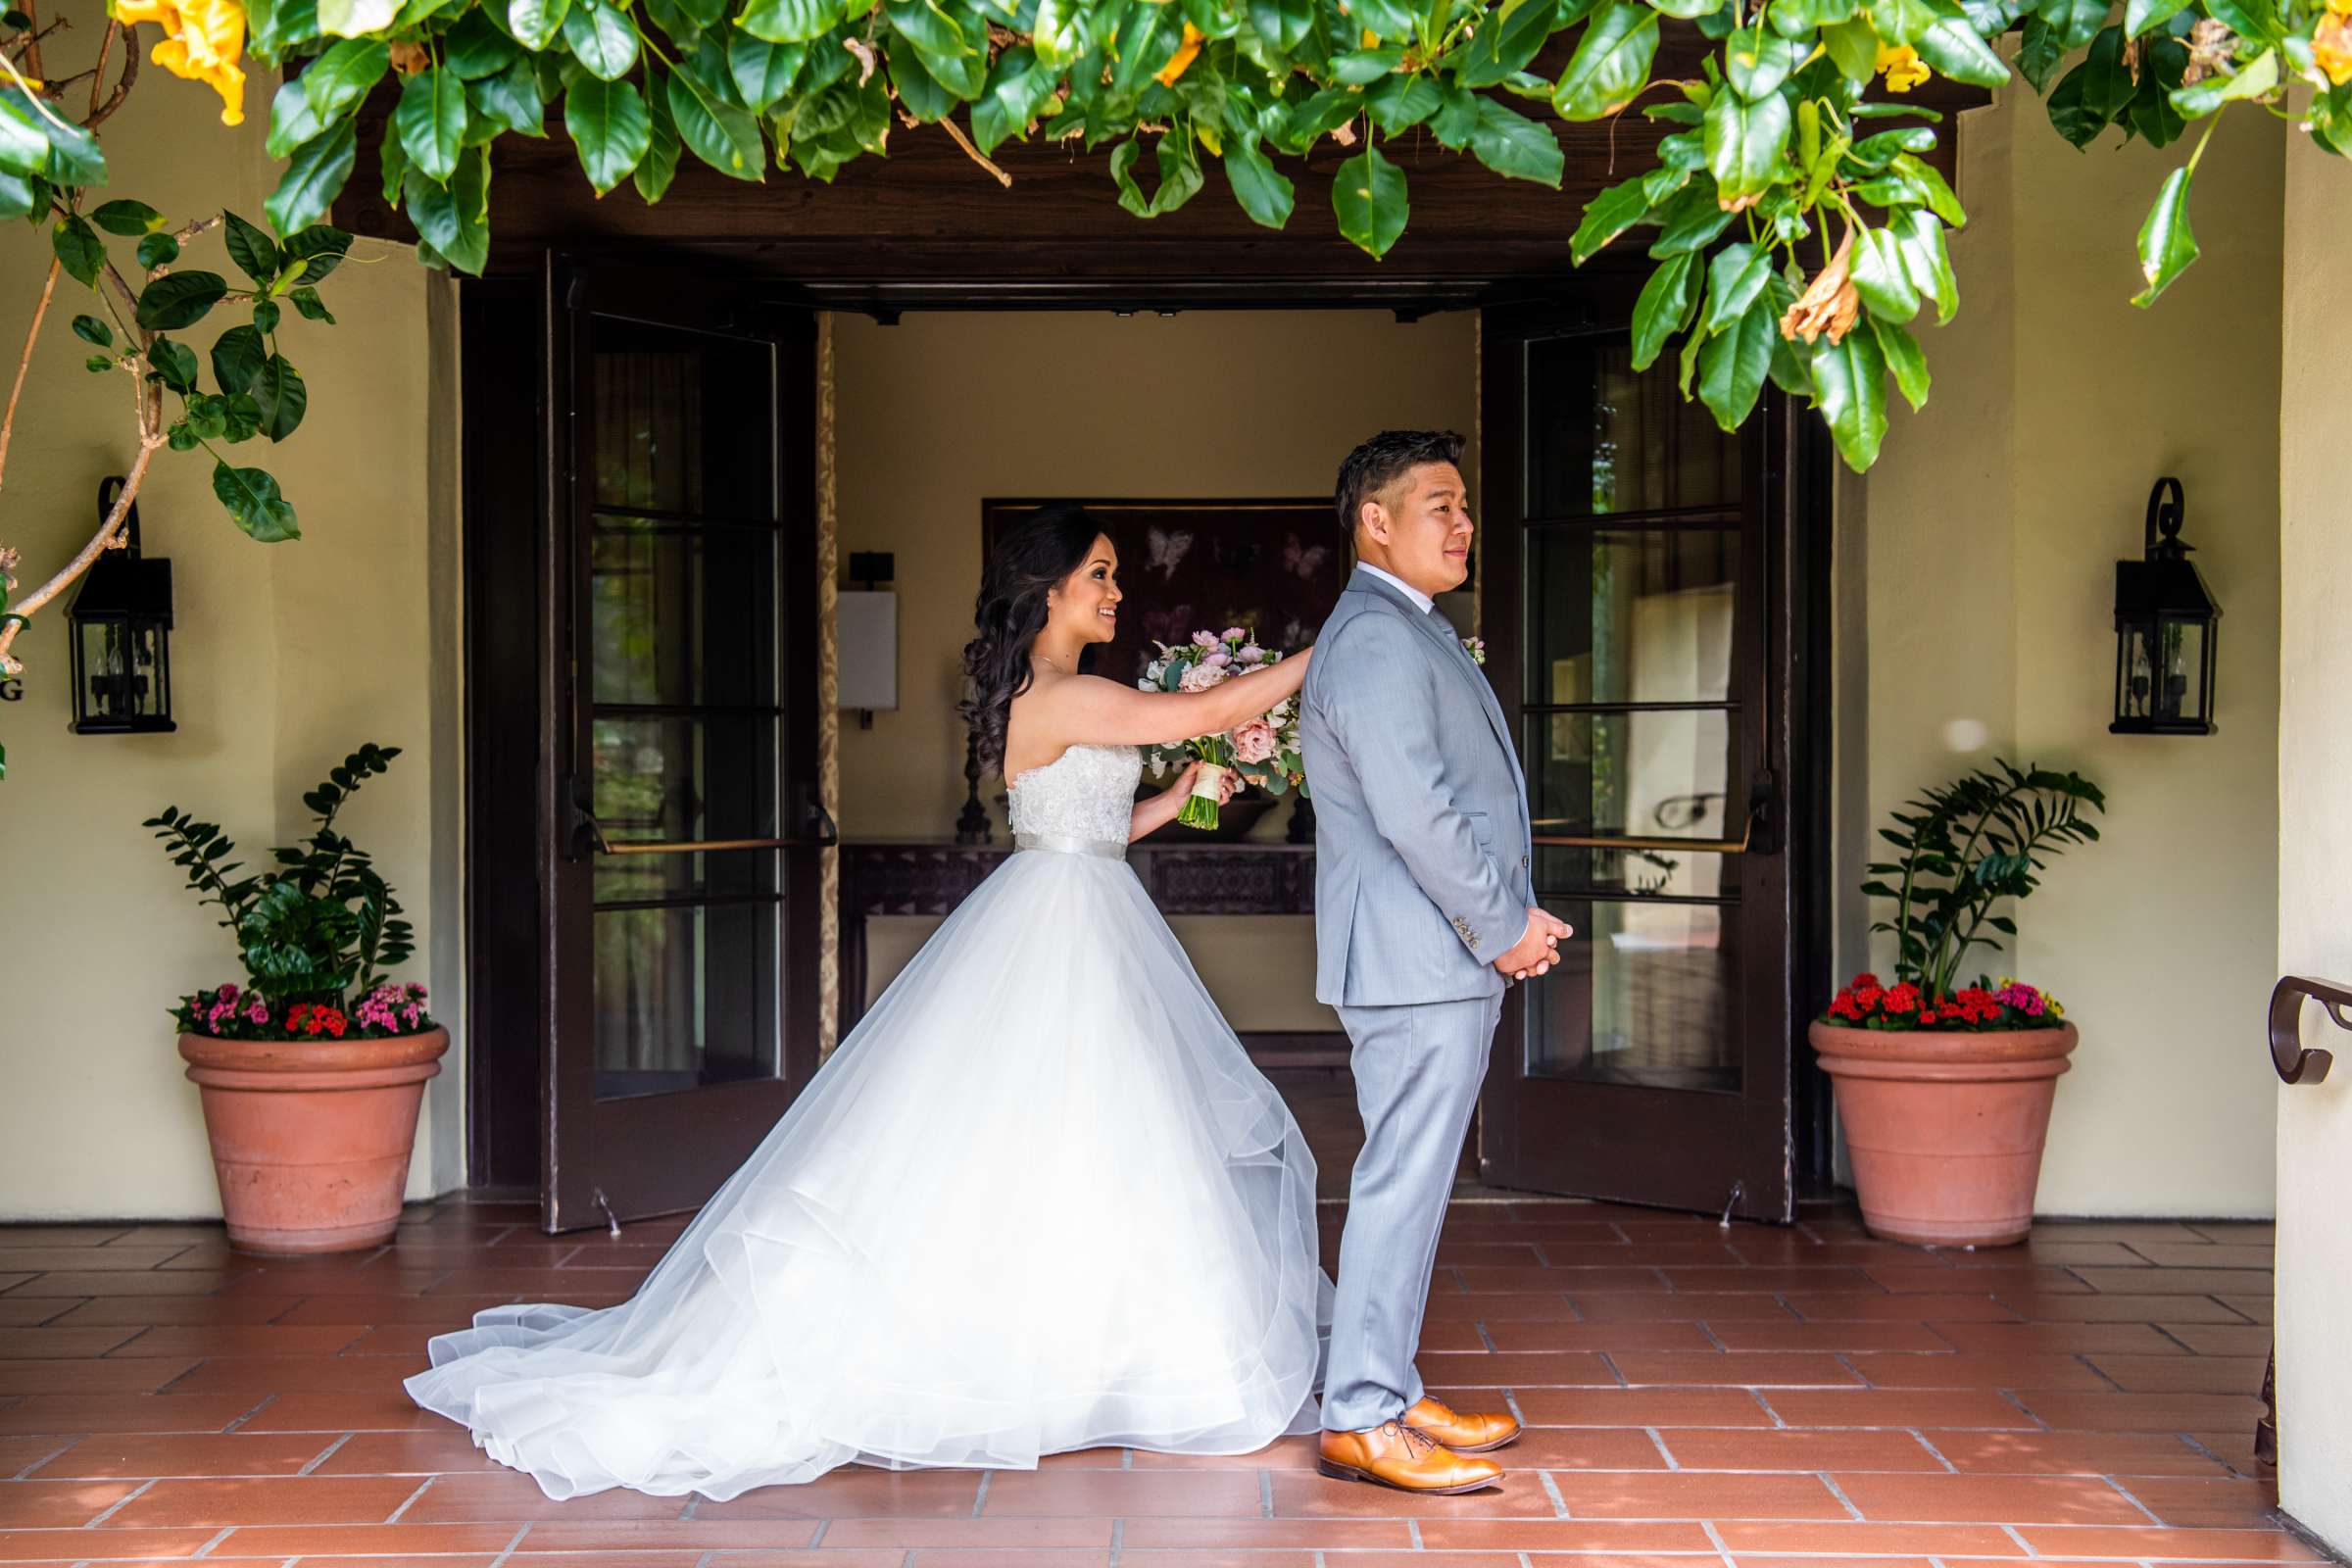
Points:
[(694, 1504), (332, 1450), (1412, 1533), (2023, 1542), (1615, 1371), (1664, 1452), (1485, 1339), (980, 1499), (1552, 1490), (117, 1505), (2099, 1372), (1266, 1493), (206, 1550), (1921, 1436), (2130, 1498), (818, 1540), (26, 1473), (1836, 1490), (1118, 1541), (412, 1498), (1758, 1395), (513, 1545), (266, 1401)]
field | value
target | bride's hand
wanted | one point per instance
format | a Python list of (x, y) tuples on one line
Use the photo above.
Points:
[(1226, 785)]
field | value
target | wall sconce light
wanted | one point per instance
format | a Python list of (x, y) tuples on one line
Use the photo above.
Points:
[(2166, 631), (866, 628), (120, 636)]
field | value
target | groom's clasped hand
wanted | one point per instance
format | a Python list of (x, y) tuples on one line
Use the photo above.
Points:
[(1539, 949)]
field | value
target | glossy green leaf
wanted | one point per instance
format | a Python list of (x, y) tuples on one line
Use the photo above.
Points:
[(1283, 24), (1262, 189), (348, 18), (1368, 194), (2256, 79), (536, 23), (454, 218), (2075, 21), (1904, 357), (1744, 142), (179, 299), (478, 47), (1853, 48), (1926, 262), (2040, 53), (238, 356), (763, 71), (254, 501), (1691, 221), (313, 309), (431, 121), (1732, 365), (130, 220), (1664, 306), (254, 252), (1611, 62), (2167, 248), (610, 127), (718, 133), (312, 178), (80, 249), (93, 331), (331, 87), (1880, 277), (1607, 216), (509, 99), (600, 37), (1850, 383), (1956, 50), (660, 165), (1504, 43), (282, 396), (175, 363), (1515, 146), (1735, 280), (1399, 102)]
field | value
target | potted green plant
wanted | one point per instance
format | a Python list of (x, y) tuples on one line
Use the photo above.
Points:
[(310, 1096), (1944, 1089)]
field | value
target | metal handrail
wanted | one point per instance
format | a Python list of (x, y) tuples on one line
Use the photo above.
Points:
[(2295, 1063), (1666, 844)]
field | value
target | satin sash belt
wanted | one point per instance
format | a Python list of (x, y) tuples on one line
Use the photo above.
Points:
[(1063, 844)]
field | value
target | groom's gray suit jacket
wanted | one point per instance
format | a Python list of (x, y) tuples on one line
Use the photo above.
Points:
[(1421, 822)]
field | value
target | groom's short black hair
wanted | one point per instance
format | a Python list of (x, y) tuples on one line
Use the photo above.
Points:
[(1384, 459)]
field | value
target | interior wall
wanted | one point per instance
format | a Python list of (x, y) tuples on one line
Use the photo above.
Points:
[(2314, 846), (284, 658), (945, 410), (1992, 523)]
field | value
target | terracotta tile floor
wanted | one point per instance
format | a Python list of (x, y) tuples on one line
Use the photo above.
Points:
[(1757, 1397)]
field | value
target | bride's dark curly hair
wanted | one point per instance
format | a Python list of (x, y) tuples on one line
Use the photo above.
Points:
[(1030, 559)]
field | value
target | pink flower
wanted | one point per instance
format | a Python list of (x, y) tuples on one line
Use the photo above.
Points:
[(1252, 653), (1234, 634), (1201, 676), (259, 1012), (1220, 659), (1254, 741), (228, 993), (1204, 639)]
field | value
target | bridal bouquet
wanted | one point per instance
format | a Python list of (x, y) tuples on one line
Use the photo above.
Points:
[(1265, 748)]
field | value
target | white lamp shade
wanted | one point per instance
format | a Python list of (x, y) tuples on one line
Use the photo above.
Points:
[(867, 636)]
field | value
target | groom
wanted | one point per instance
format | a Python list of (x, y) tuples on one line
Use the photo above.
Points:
[(1423, 910)]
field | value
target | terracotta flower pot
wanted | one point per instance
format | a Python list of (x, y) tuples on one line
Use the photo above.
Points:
[(311, 1138), (1945, 1129)]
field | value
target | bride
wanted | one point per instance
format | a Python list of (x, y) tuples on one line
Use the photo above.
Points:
[(1038, 1199)]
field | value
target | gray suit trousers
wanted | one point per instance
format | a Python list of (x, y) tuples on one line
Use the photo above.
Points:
[(1417, 1075)]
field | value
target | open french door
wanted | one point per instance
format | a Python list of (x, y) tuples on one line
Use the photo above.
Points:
[(681, 656), (1639, 580)]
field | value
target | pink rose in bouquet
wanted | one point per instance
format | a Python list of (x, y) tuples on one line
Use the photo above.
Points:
[(1255, 741), (1271, 738)]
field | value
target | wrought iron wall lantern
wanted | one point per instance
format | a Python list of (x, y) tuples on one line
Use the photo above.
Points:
[(120, 639), (2166, 631)]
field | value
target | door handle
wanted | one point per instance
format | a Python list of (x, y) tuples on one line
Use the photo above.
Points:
[(1605, 841)]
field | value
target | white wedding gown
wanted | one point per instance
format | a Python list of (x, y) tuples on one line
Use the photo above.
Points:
[(1038, 1199)]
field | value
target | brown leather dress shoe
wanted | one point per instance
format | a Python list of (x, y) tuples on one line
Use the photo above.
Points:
[(1464, 1434), (1394, 1455)]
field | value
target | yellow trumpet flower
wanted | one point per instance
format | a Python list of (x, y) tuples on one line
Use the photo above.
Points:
[(1181, 61), (201, 41), (1903, 68), (2332, 42)]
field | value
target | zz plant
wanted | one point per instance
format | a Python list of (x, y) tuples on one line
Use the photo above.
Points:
[(1960, 849), (319, 924)]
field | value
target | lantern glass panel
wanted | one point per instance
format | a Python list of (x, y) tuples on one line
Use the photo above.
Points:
[(2179, 694), (124, 679)]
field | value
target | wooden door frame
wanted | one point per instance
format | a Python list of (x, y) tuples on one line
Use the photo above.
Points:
[(509, 1033)]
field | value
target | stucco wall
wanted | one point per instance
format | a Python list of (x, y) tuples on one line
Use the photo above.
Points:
[(1984, 573), (2315, 846), (283, 659)]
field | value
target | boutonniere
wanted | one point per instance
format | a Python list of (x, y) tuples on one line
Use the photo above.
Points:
[(1476, 648)]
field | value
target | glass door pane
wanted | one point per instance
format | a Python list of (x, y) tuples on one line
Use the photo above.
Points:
[(685, 723)]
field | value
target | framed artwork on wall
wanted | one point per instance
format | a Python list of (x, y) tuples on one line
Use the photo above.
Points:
[(1274, 567)]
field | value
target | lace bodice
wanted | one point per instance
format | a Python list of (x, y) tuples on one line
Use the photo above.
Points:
[(1088, 792)]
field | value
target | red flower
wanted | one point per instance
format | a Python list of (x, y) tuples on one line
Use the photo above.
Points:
[(1903, 998), (1865, 981)]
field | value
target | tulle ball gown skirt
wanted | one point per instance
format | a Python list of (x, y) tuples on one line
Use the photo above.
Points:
[(1037, 1200)]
